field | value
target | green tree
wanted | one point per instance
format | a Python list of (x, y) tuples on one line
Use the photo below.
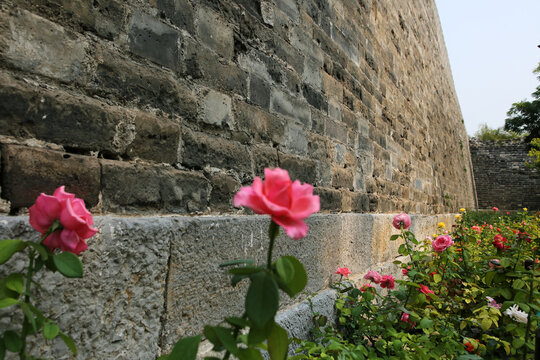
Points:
[(524, 116)]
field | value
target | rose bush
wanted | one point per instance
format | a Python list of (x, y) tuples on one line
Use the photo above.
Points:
[(461, 297)]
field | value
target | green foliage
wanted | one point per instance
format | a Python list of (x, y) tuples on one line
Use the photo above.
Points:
[(524, 116), (534, 154), (458, 321), (486, 133)]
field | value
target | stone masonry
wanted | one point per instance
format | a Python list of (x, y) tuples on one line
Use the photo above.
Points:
[(502, 177), (156, 112)]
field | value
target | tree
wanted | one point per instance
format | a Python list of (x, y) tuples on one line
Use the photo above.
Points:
[(524, 116)]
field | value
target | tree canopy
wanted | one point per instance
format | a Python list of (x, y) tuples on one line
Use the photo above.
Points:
[(524, 116)]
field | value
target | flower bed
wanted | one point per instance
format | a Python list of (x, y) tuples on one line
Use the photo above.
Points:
[(468, 294)]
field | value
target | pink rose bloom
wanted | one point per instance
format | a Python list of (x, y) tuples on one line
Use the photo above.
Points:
[(388, 281), (425, 290), (442, 243), (490, 227), (343, 271), (401, 220), (406, 271), (288, 203), (476, 228), (70, 212), (494, 263), (373, 276), (405, 318), (495, 208)]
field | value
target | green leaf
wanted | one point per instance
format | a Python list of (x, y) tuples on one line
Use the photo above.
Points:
[(9, 247), (68, 264), (15, 282), (506, 293), (13, 341), (237, 278), (250, 354), (186, 348), (425, 323), (278, 343), (210, 333), (489, 277), (262, 299), (28, 313), (403, 250), (246, 270), (50, 330), (485, 324), (394, 237), (163, 357), (285, 269), (236, 262), (42, 251), (518, 342), (518, 284), (226, 338), (69, 342), (236, 321), (299, 279), (437, 278), (259, 334), (6, 302)]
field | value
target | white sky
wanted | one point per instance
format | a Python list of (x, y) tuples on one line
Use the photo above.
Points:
[(492, 45)]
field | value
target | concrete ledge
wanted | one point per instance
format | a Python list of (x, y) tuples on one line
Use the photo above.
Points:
[(150, 280)]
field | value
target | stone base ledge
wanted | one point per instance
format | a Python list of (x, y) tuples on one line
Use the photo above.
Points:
[(150, 280)]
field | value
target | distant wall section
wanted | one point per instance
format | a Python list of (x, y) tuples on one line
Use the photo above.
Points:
[(502, 178)]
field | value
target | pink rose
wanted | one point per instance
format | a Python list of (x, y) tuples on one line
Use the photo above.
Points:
[(373, 276), (405, 318), (288, 203), (442, 243), (476, 228), (367, 287), (387, 281), (343, 271), (495, 208), (406, 271), (70, 213), (401, 220)]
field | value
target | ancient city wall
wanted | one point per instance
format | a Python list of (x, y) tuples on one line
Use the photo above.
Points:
[(502, 177), (156, 112)]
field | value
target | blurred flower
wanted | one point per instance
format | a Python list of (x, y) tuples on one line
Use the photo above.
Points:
[(524, 209), (493, 303), (373, 276), (388, 281), (406, 271), (367, 287), (425, 290), (343, 271), (441, 225), (442, 243), (476, 228), (401, 220), (516, 314), (469, 347), (458, 216), (495, 208), (462, 210)]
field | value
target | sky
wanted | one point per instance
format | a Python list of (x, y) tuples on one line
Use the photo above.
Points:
[(493, 49)]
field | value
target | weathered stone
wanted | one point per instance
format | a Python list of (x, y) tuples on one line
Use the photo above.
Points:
[(259, 91), (264, 157), (223, 189), (27, 172), (201, 150), (301, 168), (215, 33), (217, 109), (284, 104), (154, 40), (36, 45), (179, 12), (77, 122), (155, 139), (258, 123)]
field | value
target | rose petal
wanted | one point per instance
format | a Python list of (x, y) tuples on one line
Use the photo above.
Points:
[(295, 229), (61, 194), (69, 240), (44, 212), (52, 241)]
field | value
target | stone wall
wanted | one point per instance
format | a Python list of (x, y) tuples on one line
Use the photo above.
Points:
[(156, 112), (172, 105), (502, 177)]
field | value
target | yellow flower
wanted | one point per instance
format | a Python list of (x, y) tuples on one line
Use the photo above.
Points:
[(458, 216), (524, 209), (462, 210), (441, 225)]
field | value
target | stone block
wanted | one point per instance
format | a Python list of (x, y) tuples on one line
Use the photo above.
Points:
[(331, 199), (217, 109), (156, 139), (36, 45), (223, 189), (115, 310), (125, 81), (27, 172), (56, 116), (337, 131), (258, 123), (289, 106), (179, 12), (200, 150), (342, 178), (295, 140), (264, 157), (215, 33), (299, 168), (314, 98), (154, 40), (133, 187), (259, 91)]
